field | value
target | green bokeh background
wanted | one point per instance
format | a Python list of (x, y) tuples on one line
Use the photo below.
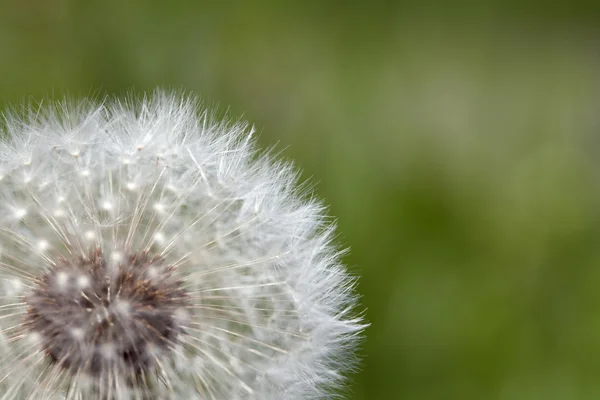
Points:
[(458, 143)]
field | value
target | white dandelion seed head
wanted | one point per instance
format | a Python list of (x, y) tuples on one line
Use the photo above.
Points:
[(148, 251)]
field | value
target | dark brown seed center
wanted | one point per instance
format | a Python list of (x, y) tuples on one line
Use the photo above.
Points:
[(92, 316)]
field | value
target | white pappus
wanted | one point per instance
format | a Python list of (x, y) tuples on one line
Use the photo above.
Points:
[(148, 251)]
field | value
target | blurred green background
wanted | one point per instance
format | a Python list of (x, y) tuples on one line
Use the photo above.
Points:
[(458, 143)]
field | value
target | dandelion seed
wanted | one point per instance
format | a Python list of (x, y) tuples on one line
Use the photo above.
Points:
[(151, 253)]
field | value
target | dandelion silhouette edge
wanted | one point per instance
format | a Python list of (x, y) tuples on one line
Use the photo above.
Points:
[(148, 250)]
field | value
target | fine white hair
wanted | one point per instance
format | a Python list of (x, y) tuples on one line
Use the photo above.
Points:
[(269, 309)]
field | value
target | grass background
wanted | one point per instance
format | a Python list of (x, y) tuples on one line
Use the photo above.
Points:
[(457, 142)]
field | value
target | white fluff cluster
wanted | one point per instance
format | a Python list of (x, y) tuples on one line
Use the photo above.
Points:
[(235, 291)]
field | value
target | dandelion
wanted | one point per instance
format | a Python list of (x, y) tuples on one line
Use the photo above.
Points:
[(148, 251)]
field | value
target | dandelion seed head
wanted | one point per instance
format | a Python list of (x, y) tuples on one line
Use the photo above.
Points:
[(149, 251)]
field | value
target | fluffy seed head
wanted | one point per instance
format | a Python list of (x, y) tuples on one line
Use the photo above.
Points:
[(147, 251)]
